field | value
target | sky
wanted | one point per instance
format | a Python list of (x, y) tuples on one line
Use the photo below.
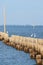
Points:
[(22, 12)]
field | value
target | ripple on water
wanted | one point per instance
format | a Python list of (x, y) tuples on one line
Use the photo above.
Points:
[(11, 56)]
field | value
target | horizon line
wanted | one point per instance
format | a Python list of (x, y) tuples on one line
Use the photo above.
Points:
[(20, 25)]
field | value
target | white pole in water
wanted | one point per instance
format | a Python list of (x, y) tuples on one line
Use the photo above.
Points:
[(4, 21)]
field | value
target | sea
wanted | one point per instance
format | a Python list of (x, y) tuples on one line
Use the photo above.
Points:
[(11, 56)]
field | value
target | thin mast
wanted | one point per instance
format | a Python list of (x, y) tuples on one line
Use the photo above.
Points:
[(4, 21)]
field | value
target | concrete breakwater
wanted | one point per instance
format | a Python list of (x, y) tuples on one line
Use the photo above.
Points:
[(34, 46)]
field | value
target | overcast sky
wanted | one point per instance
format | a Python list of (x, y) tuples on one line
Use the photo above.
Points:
[(22, 12)]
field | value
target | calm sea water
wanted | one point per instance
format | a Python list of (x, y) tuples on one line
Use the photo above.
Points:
[(11, 56)]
